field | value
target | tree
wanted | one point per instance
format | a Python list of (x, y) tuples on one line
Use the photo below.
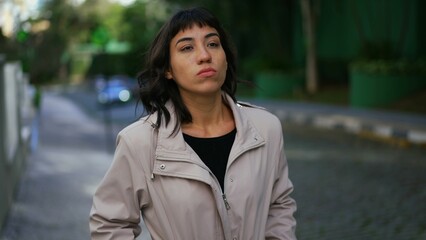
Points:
[(309, 25), (45, 50), (69, 25), (376, 43)]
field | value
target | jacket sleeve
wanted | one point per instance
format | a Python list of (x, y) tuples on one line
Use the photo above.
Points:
[(115, 212), (281, 223)]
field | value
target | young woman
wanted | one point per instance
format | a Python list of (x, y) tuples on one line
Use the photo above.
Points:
[(200, 165)]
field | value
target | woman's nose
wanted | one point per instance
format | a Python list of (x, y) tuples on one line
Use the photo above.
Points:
[(204, 55)]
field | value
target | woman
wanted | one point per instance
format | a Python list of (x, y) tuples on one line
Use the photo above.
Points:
[(200, 165)]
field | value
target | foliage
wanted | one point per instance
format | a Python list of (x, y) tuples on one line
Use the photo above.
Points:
[(8, 48), (42, 51), (376, 50), (100, 37), (45, 59), (138, 24), (143, 19), (373, 27), (256, 28), (112, 64), (46, 53)]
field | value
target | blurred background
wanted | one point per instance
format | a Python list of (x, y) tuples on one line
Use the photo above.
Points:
[(68, 85)]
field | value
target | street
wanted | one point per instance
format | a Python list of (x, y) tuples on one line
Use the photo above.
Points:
[(346, 186), (351, 188)]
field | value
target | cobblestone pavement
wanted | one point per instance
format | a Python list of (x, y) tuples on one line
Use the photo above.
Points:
[(348, 187)]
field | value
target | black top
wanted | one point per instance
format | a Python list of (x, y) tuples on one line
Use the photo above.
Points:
[(214, 152)]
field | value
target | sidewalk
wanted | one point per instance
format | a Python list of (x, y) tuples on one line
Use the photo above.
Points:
[(391, 126), (54, 197), (55, 193)]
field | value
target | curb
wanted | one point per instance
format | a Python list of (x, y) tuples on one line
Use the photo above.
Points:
[(356, 126)]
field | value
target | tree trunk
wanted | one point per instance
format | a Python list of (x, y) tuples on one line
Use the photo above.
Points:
[(311, 56)]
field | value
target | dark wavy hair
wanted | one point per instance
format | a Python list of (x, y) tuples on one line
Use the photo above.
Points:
[(155, 89)]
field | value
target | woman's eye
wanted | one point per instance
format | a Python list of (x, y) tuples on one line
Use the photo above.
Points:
[(213, 44), (186, 48)]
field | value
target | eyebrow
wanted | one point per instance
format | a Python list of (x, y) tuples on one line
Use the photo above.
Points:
[(184, 39)]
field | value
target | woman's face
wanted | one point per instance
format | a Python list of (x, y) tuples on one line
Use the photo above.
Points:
[(197, 61)]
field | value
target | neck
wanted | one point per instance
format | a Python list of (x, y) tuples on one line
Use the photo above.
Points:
[(211, 117)]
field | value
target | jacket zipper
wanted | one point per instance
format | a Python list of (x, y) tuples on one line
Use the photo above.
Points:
[(226, 202)]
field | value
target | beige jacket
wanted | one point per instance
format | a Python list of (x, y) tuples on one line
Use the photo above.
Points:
[(158, 174)]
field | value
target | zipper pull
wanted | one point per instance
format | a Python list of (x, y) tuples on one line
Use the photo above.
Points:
[(226, 202)]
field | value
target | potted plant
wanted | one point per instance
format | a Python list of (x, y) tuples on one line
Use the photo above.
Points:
[(378, 82), (275, 78)]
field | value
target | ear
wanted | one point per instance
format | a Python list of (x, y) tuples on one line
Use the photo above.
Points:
[(168, 75)]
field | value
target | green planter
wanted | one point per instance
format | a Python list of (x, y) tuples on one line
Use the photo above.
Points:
[(378, 90), (278, 84)]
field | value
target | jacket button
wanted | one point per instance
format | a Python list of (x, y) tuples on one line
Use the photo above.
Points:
[(235, 238), (162, 166)]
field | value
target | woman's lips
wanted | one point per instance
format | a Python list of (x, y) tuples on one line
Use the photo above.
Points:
[(206, 72)]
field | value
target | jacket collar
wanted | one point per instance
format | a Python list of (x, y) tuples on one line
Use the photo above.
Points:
[(172, 145)]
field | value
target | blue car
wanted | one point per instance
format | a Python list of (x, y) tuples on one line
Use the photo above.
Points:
[(114, 91)]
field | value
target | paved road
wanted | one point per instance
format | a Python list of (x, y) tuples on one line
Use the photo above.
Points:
[(352, 188), (346, 187)]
